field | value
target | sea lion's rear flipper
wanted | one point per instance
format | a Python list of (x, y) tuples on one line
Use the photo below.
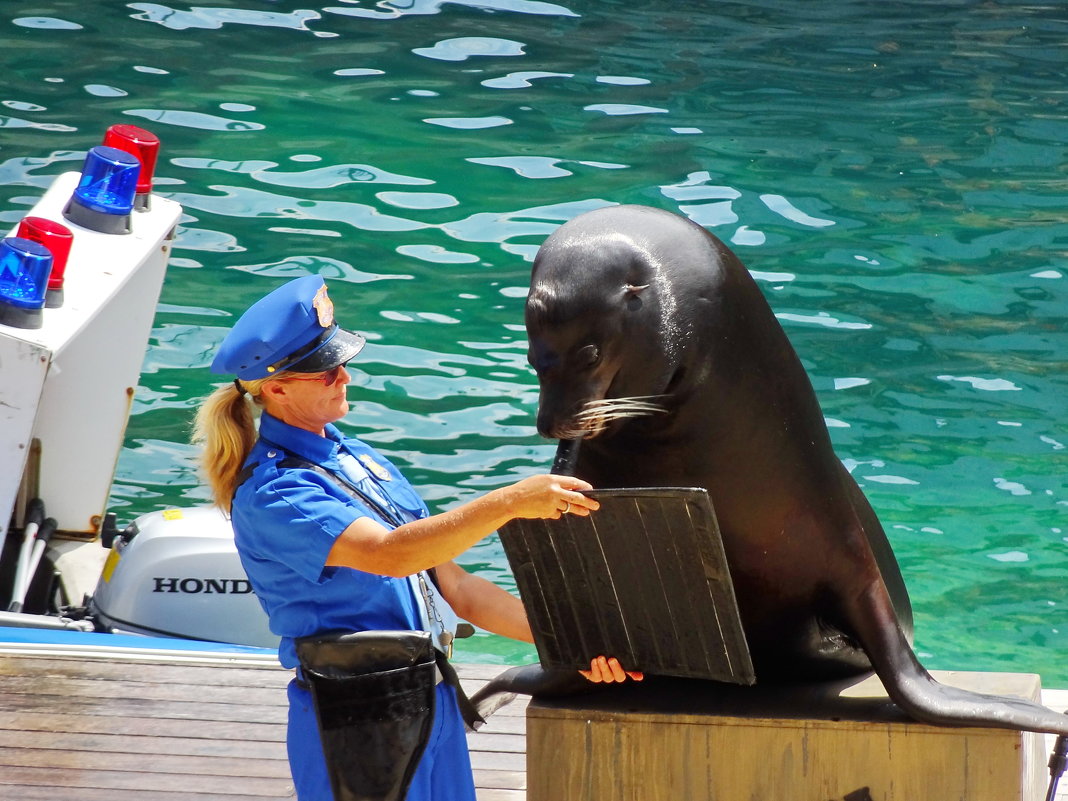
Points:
[(913, 689)]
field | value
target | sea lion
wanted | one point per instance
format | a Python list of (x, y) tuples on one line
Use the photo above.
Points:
[(653, 344)]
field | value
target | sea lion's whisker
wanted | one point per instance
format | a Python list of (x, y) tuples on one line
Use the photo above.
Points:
[(599, 412), (573, 433), (638, 399)]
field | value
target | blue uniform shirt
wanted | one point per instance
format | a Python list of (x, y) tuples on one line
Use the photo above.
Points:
[(286, 521)]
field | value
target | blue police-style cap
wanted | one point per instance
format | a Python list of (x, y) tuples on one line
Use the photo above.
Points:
[(293, 329)]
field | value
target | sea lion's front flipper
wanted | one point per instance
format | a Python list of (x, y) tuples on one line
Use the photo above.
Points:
[(884, 555)]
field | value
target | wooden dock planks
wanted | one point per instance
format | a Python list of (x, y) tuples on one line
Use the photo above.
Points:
[(118, 729), (82, 728)]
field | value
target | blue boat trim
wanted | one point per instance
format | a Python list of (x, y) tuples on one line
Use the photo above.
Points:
[(12, 638)]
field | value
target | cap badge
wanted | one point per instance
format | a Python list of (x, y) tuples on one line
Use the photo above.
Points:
[(374, 468), (324, 307)]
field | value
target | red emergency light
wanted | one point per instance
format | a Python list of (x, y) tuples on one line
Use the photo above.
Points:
[(57, 238), (145, 146)]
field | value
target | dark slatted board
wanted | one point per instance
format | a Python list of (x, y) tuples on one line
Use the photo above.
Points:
[(644, 579)]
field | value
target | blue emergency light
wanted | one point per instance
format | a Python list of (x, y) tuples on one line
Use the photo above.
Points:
[(104, 197), (24, 269)]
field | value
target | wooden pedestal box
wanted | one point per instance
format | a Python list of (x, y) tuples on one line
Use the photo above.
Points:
[(677, 740)]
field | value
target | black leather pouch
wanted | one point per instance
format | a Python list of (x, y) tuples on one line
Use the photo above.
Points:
[(374, 700)]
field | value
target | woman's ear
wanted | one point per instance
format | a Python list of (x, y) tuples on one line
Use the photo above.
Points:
[(273, 392)]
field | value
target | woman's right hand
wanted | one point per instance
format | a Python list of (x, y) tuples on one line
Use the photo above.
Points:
[(608, 670), (549, 496)]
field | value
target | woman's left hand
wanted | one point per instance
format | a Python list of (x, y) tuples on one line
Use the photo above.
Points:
[(608, 670)]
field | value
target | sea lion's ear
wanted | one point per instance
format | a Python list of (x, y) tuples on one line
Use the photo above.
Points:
[(632, 291)]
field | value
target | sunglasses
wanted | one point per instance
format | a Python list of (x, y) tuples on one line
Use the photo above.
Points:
[(329, 378)]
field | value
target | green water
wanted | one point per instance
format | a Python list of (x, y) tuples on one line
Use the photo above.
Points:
[(892, 173)]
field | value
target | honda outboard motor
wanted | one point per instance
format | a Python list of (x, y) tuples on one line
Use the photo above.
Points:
[(176, 573)]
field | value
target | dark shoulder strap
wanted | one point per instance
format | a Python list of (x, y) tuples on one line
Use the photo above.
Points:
[(245, 475), (351, 489), (242, 477), (295, 461)]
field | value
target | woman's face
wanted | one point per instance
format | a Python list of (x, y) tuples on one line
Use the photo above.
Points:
[(308, 400)]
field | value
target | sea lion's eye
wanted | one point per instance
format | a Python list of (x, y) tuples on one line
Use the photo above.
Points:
[(589, 355), (632, 295)]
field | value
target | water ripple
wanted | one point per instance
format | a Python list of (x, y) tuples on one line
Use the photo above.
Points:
[(822, 319), (389, 9), (464, 47), (437, 254), (622, 80), (336, 175), (469, 123), (500, 227), (624, 109), (984, 384), (782, 206), (298, 266), (214, 18), (46, 23), (18, 105), (358, 72), (541, 166), (418, 200), (18, 122), (193, 119), (242, 202), (522, 79), (103, 90)]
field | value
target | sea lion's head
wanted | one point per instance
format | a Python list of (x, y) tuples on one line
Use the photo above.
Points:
[(605, 338)]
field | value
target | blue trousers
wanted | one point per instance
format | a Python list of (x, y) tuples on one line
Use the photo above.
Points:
[(444, 771)]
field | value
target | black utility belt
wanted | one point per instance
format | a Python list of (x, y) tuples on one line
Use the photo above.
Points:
[(339, 656), (303, 683), (365, 663)]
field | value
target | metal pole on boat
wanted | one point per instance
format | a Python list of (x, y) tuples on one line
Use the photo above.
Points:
[(40, 542), (20, 620), (34, 517)]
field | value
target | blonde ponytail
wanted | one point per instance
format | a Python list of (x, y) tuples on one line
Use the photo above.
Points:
[(225, 425)]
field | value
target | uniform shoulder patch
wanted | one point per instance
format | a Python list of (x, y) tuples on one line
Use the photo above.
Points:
[(374, 468)]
